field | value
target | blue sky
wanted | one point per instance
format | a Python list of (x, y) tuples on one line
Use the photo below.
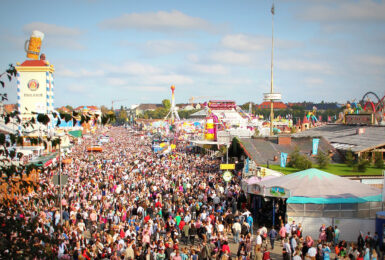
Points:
[(135, 50)]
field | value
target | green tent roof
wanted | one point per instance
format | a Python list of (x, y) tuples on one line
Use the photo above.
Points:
[(76, 133)]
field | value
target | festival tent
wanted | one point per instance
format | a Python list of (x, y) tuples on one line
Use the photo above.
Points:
[(318, 187), (317, 197)]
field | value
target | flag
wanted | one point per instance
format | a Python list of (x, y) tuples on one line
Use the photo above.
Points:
[(247, 165), (283, 159), (315, 146), (272, 10)]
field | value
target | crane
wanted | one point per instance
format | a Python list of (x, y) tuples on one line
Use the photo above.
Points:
[(116, 100)]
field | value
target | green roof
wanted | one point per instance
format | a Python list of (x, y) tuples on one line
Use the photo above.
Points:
[(76, 133)]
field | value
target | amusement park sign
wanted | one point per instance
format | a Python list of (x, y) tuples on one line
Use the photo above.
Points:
[(359, 119)]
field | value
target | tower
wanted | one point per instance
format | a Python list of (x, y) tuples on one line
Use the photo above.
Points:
[(173, 113), (35, 87)]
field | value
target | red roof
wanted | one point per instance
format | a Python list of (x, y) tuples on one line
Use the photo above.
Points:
[(9, 108), (277, 105), (33, 63), (88, 107)]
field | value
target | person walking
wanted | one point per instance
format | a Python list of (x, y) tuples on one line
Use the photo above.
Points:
[(272, 236), (237, 230)]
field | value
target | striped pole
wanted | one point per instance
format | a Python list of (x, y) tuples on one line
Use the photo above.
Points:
[(18, 99), (47, 91), (52, 91)]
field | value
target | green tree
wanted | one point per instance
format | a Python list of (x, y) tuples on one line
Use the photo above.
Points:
[(361, 165), (323, 160), (122, 116), (166, 104), (299, 161), (349, 158), (378, 161), (70, 108)]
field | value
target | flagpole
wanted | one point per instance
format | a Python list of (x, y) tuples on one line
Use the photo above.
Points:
[(271, 76)]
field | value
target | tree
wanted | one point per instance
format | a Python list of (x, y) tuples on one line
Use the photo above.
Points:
[(70, 108), (299, 161), (349, 158), (378, 161), (122, 117), (104, 109), (166, 104), (361, 165), (323, 160)]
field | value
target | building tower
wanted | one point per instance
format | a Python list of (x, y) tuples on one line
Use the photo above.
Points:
[(35, 87)]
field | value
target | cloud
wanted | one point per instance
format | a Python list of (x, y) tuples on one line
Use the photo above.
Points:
[(164, 47), (150, 88), (76, 88), (209, 69), (372, 60), (81, 73), (242, 42), (130, 68), (350, 11), (157, 21), (313, 81), (51, 29), (302, 65), (252, 43), (231, 57)]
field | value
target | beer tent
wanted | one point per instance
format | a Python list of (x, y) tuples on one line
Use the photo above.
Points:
[(318, 197)]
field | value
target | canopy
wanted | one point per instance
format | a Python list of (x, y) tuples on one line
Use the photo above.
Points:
[(319, 187), (76, 133)]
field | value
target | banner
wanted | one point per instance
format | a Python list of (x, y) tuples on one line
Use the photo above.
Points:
[(283, 159), (315, 146), (247, 165)]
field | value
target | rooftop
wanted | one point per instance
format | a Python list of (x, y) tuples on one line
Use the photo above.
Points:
[(345, 137)]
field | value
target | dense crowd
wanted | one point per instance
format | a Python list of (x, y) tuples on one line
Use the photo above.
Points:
[(126, 203), (131, 203)]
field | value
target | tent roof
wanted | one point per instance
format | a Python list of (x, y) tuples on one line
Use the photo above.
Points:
[(316, 186)]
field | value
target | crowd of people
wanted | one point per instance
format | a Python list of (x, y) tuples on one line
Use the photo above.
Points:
[(128, 202)]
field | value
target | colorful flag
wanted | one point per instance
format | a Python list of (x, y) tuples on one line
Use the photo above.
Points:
[(315, 146), (283, 159)]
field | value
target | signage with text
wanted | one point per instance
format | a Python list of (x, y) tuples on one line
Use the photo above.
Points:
[(227, 166)]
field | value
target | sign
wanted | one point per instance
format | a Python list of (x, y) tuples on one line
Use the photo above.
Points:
[(315, 146), (33, 85), (227, 176), (283, 159), (272, 96), (359, 119), (229, 166), (277, 192), (64, 179)]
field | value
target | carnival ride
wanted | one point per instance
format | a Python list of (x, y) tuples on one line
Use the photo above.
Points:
[(370, 104), (311, 115)]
